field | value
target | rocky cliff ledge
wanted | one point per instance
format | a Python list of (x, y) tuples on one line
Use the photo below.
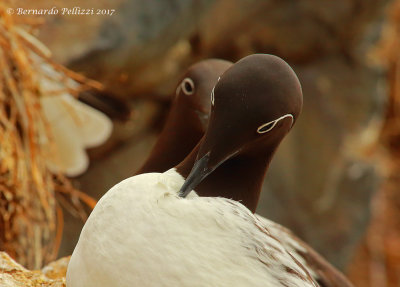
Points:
[(13, 274)]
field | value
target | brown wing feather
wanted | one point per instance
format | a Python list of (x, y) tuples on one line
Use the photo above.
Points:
[(323, 272)]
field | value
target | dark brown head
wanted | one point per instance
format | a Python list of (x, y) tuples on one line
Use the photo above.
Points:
[(188, 118), (254, 105), (193, 92)]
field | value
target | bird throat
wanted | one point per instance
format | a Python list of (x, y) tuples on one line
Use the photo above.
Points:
[(239, 178)]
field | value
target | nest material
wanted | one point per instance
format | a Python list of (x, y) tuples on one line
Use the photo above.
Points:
[(31, 219)]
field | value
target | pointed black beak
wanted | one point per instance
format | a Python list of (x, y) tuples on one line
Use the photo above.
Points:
[(199, 171)]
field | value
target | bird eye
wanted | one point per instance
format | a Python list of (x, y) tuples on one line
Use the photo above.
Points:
[(187, 86), (264, 128), (212, 96)]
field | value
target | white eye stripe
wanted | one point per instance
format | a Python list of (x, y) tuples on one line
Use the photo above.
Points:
[(212, 93), (270, 125), (187, 86)]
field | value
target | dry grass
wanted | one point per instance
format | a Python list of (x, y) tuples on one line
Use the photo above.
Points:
[(31, 220)]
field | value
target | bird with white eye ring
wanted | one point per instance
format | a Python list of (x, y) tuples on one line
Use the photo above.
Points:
[(232, 158), (203, 77), (319, 268), (172, 241), (243, 131), (188, 116)]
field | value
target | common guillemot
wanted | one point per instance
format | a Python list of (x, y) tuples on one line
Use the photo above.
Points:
[(236, 152), (188, 117), (159, 239)]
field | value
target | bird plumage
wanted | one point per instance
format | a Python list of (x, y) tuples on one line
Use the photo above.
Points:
[(142, 233)]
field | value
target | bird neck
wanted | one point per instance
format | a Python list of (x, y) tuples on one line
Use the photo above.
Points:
[(239, 178), (181, 133)]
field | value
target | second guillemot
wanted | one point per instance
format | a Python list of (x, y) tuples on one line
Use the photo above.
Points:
[(188, 117), (142, 233)]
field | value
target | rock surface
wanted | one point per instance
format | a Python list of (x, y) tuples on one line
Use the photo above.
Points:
[(131, 51), (380, 248), (14, 275)]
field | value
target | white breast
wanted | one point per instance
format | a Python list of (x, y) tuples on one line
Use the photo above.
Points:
[(142, 234)]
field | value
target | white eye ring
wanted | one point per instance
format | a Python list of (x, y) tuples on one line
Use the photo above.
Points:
[(270, 125), (187, 86), (212, 96)]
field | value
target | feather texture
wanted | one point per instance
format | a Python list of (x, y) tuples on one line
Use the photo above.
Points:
[(142, 234)]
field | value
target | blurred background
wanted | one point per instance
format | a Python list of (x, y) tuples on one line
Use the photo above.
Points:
[(335, 179)]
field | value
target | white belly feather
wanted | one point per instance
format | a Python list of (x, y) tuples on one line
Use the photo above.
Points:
[(142, 234)]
